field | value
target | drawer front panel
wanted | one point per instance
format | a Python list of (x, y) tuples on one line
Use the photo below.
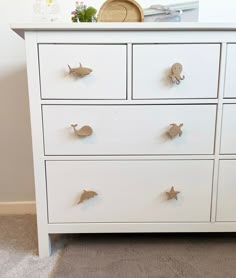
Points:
[(106, 81), (129, 129), (230, 81), (226, 205), (152, 65), (129, 191), (228, 134)]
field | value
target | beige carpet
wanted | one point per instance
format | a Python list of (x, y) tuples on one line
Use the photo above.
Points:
[(115, 256), (18, 249), (149, 256)]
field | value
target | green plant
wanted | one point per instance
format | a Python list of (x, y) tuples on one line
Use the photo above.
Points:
[(82, 13)]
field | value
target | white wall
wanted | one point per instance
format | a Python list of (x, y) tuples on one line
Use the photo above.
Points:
[(217, 11), (16, 171)]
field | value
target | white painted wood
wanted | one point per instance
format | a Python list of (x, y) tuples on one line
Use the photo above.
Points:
[(129, 192), (189, 227), (106, 81), (228, 135), (226, 205), (228, 100), (127, 151), (129, 73), (129, 130), (127, 36), (230, 84), (21, 27), (17, 208), (228, 156), (131, 101), (218, 129), (152, 64), (132, 158), (44, 243)]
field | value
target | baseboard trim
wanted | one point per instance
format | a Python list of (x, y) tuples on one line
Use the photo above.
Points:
[(17, 208)]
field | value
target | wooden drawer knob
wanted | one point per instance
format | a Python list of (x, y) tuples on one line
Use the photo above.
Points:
[(172, 194), (80, 71), (175, 74), (175, 130), (83, 131), (87, 194)]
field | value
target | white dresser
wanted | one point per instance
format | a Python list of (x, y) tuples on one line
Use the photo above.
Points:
[(139, 172)]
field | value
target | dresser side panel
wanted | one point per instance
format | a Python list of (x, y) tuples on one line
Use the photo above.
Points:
[(37, 142)]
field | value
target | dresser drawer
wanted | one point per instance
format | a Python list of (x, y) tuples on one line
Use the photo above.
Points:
[(152, 66), (129, 191), (228, 133), (106, 81), (226, 205), (230, 82), (128, 129)]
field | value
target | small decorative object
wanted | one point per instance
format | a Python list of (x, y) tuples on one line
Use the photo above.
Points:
[(175, 130), (46, 10), (38, 10), (172, 194), (173, 11), (52, 10), (160, 13), (87, 194), (83, 131), (80, 71), (175, 74), (82, 13), (120, 11)]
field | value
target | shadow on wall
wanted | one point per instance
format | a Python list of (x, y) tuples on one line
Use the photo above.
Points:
[(16, 179)]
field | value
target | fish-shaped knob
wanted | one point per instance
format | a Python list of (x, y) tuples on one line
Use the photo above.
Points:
[(80, 71), (87, 194)]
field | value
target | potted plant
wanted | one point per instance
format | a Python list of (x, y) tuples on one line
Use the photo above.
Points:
[(82, 13)]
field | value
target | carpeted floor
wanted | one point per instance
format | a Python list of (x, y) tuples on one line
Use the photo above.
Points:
[(18, 249), (114, 255)]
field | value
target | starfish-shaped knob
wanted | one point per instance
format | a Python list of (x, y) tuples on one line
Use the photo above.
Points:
[(172, 194)]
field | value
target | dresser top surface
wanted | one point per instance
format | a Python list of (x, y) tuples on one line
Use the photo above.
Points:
[(21, 27)]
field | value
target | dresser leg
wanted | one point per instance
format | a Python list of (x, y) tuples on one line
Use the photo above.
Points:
[(44, 245)]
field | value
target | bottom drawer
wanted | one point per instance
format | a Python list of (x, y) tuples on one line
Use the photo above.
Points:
[(226, 205), (129, 191)]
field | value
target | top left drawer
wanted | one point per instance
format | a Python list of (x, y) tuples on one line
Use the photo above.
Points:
[(107, 80)]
